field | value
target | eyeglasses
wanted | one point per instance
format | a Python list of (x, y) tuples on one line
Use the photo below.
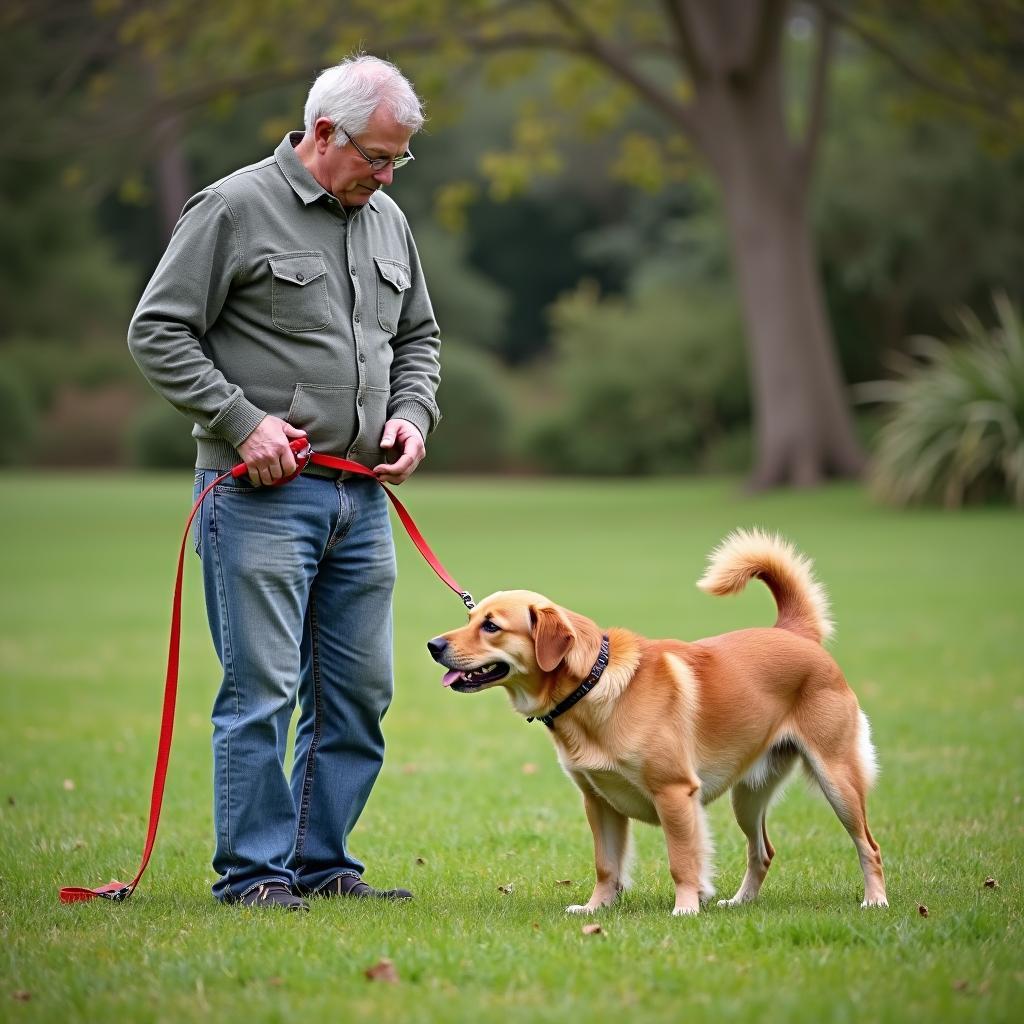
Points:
[(378, 163)]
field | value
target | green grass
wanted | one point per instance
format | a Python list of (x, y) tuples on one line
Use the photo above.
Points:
[(930, 610)]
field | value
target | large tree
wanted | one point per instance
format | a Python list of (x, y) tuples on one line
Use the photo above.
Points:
[(714, 71)]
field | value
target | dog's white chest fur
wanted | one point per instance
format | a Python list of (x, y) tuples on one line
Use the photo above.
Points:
[(623, 795)]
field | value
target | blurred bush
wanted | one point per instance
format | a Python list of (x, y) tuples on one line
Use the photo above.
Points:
[(477, 412), (159, 437), (650, 384), (19, 415), (955, 433)]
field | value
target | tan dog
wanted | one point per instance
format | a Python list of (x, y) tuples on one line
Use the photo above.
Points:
[(669, 726)]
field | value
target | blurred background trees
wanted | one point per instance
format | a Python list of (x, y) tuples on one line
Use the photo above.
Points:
[(660, 237)]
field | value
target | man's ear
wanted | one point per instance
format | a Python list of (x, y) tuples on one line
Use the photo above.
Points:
[(323, 129), (552, 636)]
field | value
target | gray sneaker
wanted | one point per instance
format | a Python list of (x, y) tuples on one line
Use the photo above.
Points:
[(356, 888), (273, 894)]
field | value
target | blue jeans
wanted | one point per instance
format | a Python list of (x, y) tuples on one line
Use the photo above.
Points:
[(298, 582)]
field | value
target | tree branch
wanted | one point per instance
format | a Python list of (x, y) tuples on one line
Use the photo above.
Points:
[(948, 90), (677, 16), (619, 64), (766, 38), (817, 97)]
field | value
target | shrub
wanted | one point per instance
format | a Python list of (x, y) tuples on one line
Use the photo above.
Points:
[(161, 438), (956, 430), (19, 416), (473, 434), (648, 385)]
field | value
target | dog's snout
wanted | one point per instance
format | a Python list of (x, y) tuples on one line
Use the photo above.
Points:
[(437, 647)]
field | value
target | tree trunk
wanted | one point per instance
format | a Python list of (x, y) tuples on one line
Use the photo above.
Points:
[(803, 425), (169, 164), (172, 177)]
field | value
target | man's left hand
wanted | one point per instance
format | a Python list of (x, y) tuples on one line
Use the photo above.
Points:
[(403, 440)]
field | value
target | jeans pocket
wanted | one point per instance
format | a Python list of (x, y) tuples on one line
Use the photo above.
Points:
[(197, 523), (299, 299)]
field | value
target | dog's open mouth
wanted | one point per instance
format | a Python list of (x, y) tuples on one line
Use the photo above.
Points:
[(476, 678)]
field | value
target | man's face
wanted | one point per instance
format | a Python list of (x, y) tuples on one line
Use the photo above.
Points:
[(348, 176)]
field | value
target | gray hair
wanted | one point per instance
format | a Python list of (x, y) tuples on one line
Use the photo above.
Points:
[(351, 91)]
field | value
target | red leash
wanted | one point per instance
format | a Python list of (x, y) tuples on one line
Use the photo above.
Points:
[(119, 891)]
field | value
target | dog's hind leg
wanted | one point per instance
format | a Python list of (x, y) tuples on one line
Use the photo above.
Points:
[(612, 850), (750, 799), (845, 771)]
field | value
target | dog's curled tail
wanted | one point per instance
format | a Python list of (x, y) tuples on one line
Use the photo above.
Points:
[(748, 554)]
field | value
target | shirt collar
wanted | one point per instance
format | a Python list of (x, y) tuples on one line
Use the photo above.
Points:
[(306, 187)]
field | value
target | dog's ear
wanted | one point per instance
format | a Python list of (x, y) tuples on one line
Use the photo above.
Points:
[(552, 636)]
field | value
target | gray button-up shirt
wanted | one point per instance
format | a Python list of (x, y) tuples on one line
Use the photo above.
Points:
[(272, 298)]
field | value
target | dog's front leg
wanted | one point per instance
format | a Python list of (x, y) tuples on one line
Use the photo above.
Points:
[(611, 850), (682, 819)]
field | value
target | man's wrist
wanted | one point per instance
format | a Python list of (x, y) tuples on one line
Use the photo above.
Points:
[(414, 413)]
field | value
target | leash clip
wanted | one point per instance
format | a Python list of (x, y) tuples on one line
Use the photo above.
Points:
[(467, 600), (118, 895)]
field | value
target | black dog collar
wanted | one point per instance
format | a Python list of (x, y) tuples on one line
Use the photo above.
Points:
[(581, 691)]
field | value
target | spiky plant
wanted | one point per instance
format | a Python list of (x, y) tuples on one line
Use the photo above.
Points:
[(955, 433)]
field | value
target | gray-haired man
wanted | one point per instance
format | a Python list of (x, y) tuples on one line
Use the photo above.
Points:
[(290, 303)]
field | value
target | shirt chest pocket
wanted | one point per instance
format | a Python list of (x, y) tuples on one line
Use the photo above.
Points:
[(299, 292), (393, 281)]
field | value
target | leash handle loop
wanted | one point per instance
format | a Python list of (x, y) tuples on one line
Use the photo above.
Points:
[(118, 892)]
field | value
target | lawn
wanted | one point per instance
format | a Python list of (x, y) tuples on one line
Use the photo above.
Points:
[(471, 810)]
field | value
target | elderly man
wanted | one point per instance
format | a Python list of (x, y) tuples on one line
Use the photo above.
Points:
[(290, 302)]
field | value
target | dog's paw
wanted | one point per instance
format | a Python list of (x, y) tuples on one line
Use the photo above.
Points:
[(685, 911), (880, 901), (578, 908), (737, 901)]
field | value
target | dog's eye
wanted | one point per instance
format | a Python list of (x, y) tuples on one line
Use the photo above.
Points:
[(490, 626)]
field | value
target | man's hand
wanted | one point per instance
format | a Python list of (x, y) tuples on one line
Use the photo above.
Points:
[(266, 451), (407, 443)]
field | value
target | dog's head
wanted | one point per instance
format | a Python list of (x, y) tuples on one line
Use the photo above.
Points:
[(519, 640)]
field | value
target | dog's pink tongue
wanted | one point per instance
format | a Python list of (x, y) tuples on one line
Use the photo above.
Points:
[(450, 677)]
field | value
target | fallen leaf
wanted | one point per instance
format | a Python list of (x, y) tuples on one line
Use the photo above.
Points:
[(69, 784), (536, 926), (21, 996), (991, 883), (564, 881), (529, 768), (960, 985), (922, 910), (507, 889), (591, 929), (383, 970), (420, 861), (10, 801)]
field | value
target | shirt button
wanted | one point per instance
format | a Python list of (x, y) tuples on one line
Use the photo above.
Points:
[(300, 277), (359, 400), (362, 358), (352, 271), (356, 318)]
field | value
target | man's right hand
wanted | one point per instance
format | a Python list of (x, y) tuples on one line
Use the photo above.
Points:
[(266, 451)]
